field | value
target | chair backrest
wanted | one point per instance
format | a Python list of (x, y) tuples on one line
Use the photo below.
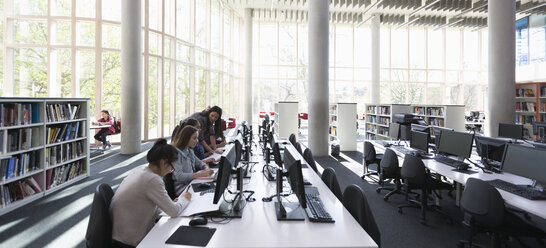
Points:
[(329, 178), (389, 163), (483, 202), (169, 185), (308, 156), (277, 154), (292, 139), (369, 152), (117, 125), (413, 171), (355, 202), (298, 148), (99, 229)]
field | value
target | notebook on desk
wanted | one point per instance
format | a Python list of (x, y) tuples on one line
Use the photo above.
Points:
[(200, 203)]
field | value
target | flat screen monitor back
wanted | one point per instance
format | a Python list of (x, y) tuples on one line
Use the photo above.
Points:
[(394, 131), (456, 143), (419, 141), (495, 147), (513, 131), (223, 180), (525, 161)]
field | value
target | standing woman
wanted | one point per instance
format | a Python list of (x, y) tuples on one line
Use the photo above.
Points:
[(134, 207), (209, 119), (103, 132), (188, 166)]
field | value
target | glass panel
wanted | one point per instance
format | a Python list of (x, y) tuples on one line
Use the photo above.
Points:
[(200, 89), (62, 8), (399, 75), (385, 93), (452, 94), (537, 32), (471, 77), (167, 52), (344, 91), (473, 97), (416, 93), (154, 43), (268, 44), (30, 32), (111, 10), (434, 94), (183, 15), (215, 26), (169, 17), (287, 72), (471, 50), (215, 62), (453, 77), (214, 89), (435, 49), (384, 75), (399, 92), (485, 48), (30, 7), (344, 45), (201, 23), (182, 52), (111, 36), (288, 90), (385, 41), (166, 98), (200, 57), (226, 93), (302, 97), (453, 49), (85, 8), (418, 48), (85, 34), (85, 75), (417, 76), (182, 96), (153, 97), (30, 72), (399, 47), (287, 44), (363, 47), (61, 72), (268, 72), (344, 74), (363, 74), (362, 93), (303, 60), (62, 32), (111, 80), (227, 32)]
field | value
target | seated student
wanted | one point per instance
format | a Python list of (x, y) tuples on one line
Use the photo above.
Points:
[(188, 166), (134, 207), (198, 149), (209, 118), (103, 132), (219, 138)]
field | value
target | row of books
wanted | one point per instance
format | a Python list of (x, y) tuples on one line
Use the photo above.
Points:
[(383, 131), (62, 112), (436, 122), (19, 165), (526, 106), (370, 136), (371, 128), (435, 111), (383, 110), (419, 110), (542, 91), (61, 174), (332, 130), (525, 119), (333, 118), (14, 114), (18, 190), (543, 107), (370, 110), (17, 139), (384, 120), (525, 93), (62, 132), (61, 153), (372, 119)]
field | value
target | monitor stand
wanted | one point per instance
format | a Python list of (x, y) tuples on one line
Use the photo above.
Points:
[(293, 211), (228, 210)]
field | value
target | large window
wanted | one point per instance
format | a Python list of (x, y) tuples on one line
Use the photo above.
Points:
[(67, 48)]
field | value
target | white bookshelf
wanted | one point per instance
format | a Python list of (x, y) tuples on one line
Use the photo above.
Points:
[(286, 119), (28, 127), (450, 116), (379, 117), (342, 125)]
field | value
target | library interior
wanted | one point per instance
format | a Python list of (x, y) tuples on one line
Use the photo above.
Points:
[(273, 123)]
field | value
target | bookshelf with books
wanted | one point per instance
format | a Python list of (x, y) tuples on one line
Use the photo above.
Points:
[(530, 104), (379, 117), (342, 125), (43, 147), (542, 102), (450, 116)]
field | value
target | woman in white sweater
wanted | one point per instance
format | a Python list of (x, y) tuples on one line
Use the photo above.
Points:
[(136, 203)]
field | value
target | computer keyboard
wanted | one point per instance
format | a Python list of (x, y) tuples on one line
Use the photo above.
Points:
[(404, 150), (383, 143), (306, 181), (451, 162), (315, 210), (521, 190), (206, 191)]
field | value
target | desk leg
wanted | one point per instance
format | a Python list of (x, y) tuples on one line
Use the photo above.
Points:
[(458, 193)]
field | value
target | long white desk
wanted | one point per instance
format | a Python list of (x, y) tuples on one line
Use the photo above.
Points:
[(535, 207), (259, 226)]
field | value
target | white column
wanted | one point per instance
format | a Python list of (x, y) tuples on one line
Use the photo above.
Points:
[(376, 35), (501, 94), (131, 76), (248, 66), (318, 76)]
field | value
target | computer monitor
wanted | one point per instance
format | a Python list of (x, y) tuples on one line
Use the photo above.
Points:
[(292, 163), (226, 167), (513, 131), (456, 143), (437, 133), (539, 128), (420, 128), (525, 161), (490, 148), (224, 172), (419, 141), (394, 131)]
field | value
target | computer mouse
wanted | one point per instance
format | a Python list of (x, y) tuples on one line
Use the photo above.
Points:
[(462, 167), (388, 145), (198, 220), (204, 185)]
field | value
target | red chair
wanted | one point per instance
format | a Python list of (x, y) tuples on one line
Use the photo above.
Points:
[(262, 114), (232, 122), (302, 116), (224, 126)]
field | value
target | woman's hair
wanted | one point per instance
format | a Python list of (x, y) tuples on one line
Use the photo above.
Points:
[(161, 150), (106, 112), (182, 136), (217, 123), (189, 122)]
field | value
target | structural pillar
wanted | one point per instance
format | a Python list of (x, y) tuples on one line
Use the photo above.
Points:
[(318, 76), (376, 36), (131, 76), (502, 67), (248, 66)]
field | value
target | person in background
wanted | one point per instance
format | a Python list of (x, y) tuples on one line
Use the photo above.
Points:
[(198, 149), (136, 203), (188, 166), (105, 119), (209, 118)]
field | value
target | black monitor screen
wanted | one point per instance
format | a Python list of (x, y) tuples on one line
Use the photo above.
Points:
[(525, 161), (513, 131), (295, 179), (419, 141), (290, 155), (456, 143), (420, 128), (224, 173), (394, 130), (491, 148)]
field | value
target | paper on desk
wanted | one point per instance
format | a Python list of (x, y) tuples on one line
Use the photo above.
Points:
[(215, 156), (200, 204)]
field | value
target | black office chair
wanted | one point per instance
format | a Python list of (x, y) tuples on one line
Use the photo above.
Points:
[(292, 139), (370, 157), (484, 211), (389, 169), (298, 147), (355, 202), (169, 185), (308, 156), (99, 229), (415, 176), (329, 178)]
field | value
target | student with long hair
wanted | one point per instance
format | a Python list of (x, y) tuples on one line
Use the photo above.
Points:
[(188, 166), (209, 119), (141, 194), (198, 149), (105, 119)]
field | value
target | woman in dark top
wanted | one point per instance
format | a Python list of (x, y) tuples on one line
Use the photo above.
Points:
[(209, 119)]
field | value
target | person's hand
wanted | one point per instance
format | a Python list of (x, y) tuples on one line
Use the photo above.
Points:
[(209, 160), (204, 173), (219, 151), (186, 195)]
